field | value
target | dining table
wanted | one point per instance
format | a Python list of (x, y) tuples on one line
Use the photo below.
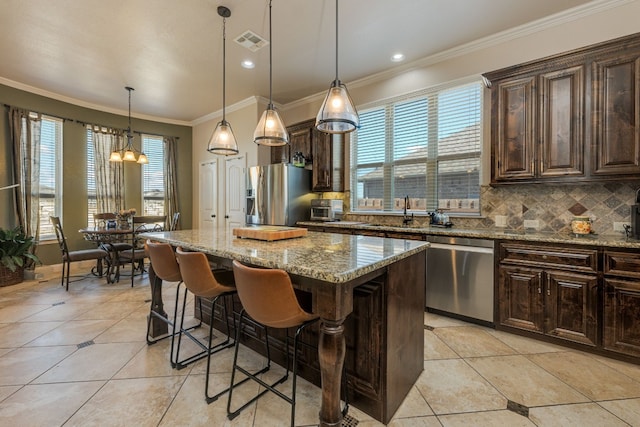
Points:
[(105, 237), (378, 278)]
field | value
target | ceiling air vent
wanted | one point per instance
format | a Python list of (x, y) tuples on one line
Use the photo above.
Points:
[(251, 41)]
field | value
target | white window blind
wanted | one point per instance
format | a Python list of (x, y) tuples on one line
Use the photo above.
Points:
[(92, 202), (425, 145), (153, 175), (50, 174)]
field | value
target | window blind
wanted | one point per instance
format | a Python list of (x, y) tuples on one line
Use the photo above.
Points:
[(50, 174), (425, 145), (153, 175)]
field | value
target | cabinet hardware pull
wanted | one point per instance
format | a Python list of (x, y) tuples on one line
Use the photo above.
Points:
[(544, 256), (548, 292), (539, 290)]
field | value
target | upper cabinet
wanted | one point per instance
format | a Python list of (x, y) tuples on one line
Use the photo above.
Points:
[(568, 118), (323, 151)]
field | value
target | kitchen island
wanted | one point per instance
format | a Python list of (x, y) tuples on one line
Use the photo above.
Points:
[(373, 285)]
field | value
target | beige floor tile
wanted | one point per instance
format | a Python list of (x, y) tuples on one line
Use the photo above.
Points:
[(627, 409), (524, 345), (83, 366), (8, 390), (414, 405), (73, 332), (19, 334), (136, 402), (435, 348), (222, 361), (431, 421), (451, 386), (190, 409), (61, 312), (16, 313), (152, 361), (22, 365), (579, 415), (111, 310), (46, 404), (486, 419), (601, 382), (472, 341), (524, 382), (629, 369), (129, 329), (438, 321)]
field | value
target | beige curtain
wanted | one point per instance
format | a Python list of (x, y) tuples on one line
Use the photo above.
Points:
[(170, 179), (25, 135), (109, 175)]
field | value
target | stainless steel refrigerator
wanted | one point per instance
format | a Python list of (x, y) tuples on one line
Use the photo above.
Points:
[(278, 194)]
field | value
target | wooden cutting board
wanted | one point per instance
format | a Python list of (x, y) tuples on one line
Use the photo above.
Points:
[(269, 232)]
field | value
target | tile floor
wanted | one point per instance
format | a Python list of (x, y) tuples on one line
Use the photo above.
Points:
[(79, 358)]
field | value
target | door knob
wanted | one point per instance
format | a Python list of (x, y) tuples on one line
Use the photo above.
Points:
[(226, 216), (213, 216)]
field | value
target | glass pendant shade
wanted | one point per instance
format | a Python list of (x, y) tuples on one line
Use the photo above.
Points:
[(271, 130), (337, 114), (142, 159), (115, 156), (223, 141), (129, 156)]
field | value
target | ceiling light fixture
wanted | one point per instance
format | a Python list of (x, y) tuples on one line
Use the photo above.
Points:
[(337, 114), (248, 64), (223, 141), (270, 130), (128, 153), (397, 57)]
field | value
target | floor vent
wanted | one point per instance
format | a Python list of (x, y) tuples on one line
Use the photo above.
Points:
[(57, 303), (518, 408), (85, 344), (349, 421), (148, 300), (429, 328)]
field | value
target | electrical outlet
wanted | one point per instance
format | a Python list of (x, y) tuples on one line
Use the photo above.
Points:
[(501, 220), (618, 226), (531, 223)]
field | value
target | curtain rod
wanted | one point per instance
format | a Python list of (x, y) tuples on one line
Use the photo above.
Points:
[(92, 124)]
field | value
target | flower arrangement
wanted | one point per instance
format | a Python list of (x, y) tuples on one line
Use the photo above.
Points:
[(123, 217)]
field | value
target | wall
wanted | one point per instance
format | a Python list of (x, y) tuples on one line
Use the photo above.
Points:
[(74, 180)]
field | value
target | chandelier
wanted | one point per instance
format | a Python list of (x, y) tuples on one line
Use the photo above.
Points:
[(129, 153)]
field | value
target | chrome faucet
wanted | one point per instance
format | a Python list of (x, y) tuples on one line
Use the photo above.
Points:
[(406, 219)]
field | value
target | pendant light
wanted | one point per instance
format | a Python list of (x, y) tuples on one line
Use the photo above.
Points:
[(337, 114), (223, 141), (270, 130), (129, 153)]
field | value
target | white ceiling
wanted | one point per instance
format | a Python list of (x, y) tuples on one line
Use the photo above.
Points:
[(87, 51)]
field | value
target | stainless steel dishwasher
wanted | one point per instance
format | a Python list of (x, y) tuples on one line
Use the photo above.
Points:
[(460, 277)]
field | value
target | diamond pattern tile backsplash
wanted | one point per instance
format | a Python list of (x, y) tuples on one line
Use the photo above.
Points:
[(553, 206)]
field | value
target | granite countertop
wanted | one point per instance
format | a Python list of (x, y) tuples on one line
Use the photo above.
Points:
[(334, 258), (611, 240)]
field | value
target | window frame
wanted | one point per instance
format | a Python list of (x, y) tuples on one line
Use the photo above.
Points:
[(146, 139), (44, 221)]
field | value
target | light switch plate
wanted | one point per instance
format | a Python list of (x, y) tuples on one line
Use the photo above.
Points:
[(501, 220)]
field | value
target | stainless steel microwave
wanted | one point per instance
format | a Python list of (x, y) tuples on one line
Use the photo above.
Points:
[(326, 209)]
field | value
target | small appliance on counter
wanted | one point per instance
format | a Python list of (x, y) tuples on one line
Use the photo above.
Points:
[(635, 217), (326, 209), (440, 219)]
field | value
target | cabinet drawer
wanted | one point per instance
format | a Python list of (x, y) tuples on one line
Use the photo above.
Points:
[(407, 236), (624, 264), (547, 256)]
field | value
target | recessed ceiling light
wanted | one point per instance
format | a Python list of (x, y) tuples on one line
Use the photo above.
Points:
[(248, 64), (397, 57)]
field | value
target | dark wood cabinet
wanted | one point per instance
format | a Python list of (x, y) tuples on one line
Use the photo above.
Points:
[(568, 118), (549, 290), (324, 152), (622, 302)]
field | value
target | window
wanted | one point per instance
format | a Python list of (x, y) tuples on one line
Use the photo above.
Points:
[(426, 146), (92, 205), (153, 176), (50, 174)]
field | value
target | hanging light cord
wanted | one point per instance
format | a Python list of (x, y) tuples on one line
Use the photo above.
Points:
[(224, 65), (270, 61), (129, 128), (336, 40)]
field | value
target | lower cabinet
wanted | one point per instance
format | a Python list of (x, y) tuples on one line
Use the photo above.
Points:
[(538, 291), (622, 302)]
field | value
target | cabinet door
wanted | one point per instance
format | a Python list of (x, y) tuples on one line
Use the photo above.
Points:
[(520, 301), (622, 316), (300, 140), (561, 123), (328, 162), (571, 306), (513, 125), (616, 116)]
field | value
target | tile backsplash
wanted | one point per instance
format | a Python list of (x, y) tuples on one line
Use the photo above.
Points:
[(552, 206)]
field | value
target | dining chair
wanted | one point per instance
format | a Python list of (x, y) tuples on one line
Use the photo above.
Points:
[(100, 220), (268, 297), (72, 256)]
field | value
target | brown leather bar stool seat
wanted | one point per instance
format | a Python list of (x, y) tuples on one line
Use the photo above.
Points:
[(165, 266), (204, 283), (267, 297)]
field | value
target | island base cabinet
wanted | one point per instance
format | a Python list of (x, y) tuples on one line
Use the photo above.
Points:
[(622, 316)]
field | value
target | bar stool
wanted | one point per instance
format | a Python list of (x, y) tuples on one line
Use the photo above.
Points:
[(166, 268), (267, 297), (203, 283)]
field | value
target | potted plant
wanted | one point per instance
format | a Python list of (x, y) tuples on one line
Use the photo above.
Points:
[(15, 248)]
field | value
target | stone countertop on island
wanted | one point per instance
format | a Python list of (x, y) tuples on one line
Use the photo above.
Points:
[(611, 240), (334, 258)]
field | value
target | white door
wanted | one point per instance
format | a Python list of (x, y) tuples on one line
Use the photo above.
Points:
[(208, 195), (235, 197)]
